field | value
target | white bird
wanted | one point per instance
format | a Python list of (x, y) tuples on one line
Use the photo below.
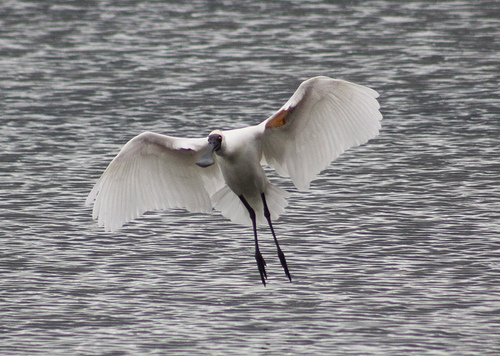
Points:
[(322, 119)]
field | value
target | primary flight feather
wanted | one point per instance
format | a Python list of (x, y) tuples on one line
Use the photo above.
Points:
[(322, 119)]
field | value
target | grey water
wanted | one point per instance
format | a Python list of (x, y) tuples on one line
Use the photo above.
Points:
[(395, 249)]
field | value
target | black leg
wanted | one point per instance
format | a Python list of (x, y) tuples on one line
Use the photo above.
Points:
[(261, 264), (281, 255)]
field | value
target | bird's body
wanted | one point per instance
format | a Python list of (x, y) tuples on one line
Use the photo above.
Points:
[(323, 118), (239, 161)]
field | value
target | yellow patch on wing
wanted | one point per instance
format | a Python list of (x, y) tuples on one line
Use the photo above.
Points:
[(278, 120)]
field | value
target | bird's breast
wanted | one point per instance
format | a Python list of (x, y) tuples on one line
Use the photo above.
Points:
[(244, 177)]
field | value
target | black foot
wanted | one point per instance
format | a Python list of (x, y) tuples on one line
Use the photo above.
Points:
[(281, 255), (261, 264)]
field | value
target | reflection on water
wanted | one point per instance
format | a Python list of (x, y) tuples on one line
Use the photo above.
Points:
[(394, 250)]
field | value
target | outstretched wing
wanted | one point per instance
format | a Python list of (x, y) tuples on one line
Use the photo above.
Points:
[(322, 119), (152, 172)]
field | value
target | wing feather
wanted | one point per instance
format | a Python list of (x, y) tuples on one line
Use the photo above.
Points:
[(322, 119), (154, 172)]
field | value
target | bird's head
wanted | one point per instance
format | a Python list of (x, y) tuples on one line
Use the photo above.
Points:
[(214, 145)]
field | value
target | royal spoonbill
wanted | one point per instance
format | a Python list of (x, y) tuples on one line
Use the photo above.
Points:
[(322, 119)]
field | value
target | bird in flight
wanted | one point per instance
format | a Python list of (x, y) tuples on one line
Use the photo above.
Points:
[(322, 119)]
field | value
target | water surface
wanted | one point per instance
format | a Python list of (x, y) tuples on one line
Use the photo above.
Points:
[(394, 250)]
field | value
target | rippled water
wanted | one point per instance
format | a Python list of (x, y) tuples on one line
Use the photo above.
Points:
[(394, 250)]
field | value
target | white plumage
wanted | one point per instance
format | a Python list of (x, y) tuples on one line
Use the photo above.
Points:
[(322, 119)]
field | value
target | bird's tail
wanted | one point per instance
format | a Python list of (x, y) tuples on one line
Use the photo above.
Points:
[(232, 208)]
